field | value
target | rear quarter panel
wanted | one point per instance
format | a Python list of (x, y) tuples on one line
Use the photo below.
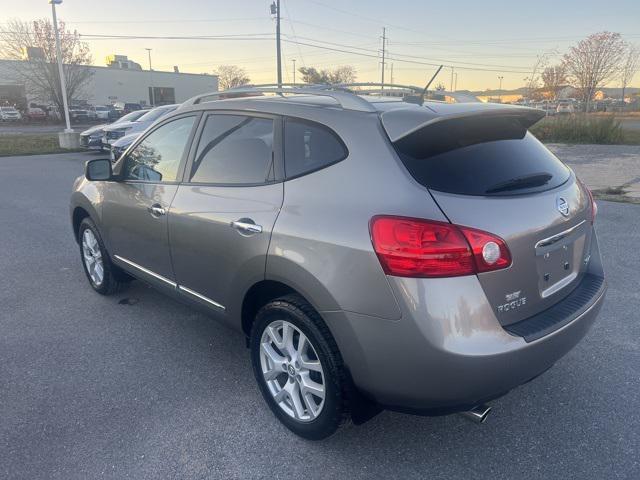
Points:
[(321, 243)]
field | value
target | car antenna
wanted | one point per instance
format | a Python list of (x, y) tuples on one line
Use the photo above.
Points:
[(420, 100)]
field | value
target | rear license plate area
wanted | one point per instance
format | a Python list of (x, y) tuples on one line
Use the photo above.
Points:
[(559, 262)]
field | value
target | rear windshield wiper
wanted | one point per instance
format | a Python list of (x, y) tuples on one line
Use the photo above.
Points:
[(526, 181)]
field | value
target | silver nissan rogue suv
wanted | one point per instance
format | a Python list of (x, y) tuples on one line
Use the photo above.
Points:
[(376, 252)]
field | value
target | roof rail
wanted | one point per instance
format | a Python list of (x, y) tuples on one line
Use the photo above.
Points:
[(345, 98), (347, 86)]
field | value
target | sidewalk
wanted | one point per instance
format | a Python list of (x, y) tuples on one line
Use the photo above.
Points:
[(609, 170)]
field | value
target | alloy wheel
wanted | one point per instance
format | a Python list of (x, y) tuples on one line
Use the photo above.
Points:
[(292, 370), (92, 257)]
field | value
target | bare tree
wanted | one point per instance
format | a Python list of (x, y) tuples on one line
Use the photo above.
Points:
[(593, 62), (344, 74), (532, 81), (553, 78), (231, 76), (629, 67), (39, 71)]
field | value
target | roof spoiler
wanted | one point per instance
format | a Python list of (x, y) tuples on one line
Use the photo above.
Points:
[(400, 123)]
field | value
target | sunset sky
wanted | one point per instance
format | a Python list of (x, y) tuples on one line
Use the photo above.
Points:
[(482, 40)]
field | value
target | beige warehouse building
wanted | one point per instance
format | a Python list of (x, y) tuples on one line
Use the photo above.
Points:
[(123, 81)]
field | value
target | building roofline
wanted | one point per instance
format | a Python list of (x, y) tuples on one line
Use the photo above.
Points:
[(206, 75)]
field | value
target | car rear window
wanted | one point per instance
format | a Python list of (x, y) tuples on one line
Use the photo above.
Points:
[(480, 156)]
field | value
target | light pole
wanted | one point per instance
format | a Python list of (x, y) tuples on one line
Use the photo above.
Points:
[(384, 52), (275, 10), (153, 93), (63, 85), (500, 77), (455, 82), (294, 70)]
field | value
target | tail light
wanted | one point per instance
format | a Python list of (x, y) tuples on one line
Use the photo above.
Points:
[(411, 247)]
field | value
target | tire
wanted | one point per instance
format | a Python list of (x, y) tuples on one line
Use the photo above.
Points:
[(316, 417), (113, 279)]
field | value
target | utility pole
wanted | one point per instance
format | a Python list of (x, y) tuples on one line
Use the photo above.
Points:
[(294, 70), (384, 51), (153, 93), (451, 89), (63, 85), (455, 83), (391, 74), (500, 77), (275, 10)]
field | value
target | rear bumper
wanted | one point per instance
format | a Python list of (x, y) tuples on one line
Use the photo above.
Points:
[(448, 352)]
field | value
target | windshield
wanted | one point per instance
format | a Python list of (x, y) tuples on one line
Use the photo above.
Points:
[(7, 109), (156, 113), (131, 117)]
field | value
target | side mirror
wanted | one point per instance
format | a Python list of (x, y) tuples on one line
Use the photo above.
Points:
[(98, 169)]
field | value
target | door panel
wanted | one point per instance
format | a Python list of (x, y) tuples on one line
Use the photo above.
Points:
[(135, 233), (211, 257), (135, 209)]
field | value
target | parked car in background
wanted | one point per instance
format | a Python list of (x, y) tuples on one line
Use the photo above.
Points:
[(91, 113), (78, 115), (102, 112), (92, 137), (35, 114), (565, 106), (124, 107), (53, 113), (10, 114), (548, 107), (426, 258), (119, 130)]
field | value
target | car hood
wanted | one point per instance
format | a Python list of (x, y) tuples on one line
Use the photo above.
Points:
[(125, 141), (95, 129)]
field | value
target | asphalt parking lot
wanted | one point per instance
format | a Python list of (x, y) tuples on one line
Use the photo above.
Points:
[(139, 386)]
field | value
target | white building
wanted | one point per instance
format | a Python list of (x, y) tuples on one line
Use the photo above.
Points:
[(109, 85)]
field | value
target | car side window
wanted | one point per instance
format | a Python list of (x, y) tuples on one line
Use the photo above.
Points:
[(234, 150), (158, 156), (309, 146)]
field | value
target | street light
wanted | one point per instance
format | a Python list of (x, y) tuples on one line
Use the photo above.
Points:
[(63, 85), (500, 77), (294, 70), (153, 93)]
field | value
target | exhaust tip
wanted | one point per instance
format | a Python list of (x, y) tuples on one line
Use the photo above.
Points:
[(477, 414)]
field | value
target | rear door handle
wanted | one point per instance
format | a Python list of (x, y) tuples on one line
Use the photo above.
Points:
[(156, 210), (245, 225)]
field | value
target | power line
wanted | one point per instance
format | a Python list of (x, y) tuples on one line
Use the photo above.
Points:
[(194, 20), (269, 37), (293, 31), (398, 59)]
